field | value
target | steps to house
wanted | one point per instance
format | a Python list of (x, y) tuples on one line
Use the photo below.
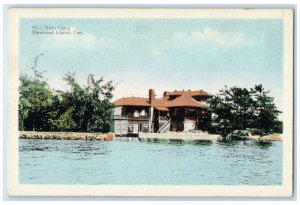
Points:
[(165, 127)]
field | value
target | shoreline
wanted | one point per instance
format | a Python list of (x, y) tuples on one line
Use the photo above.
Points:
[(179, 136), (142, 137), (66, 135)]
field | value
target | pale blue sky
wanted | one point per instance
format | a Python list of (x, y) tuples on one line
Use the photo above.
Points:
[(162, 54)]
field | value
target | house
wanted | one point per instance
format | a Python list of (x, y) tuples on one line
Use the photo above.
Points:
[(175, 111)]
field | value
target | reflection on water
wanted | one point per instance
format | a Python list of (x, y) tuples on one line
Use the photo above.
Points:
[(158, 162), (177, 142), (229, 143), (203, 143), (264, 145)]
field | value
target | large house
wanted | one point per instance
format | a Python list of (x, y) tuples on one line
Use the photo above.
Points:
[(175, 111)]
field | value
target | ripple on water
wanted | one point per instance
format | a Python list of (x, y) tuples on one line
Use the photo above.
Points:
[(122, 162)]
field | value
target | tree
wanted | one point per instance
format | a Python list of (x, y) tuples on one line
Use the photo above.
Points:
[(82, 108), (61, 113), (34, 99), (241, 109), (222, 120), (266, 111)]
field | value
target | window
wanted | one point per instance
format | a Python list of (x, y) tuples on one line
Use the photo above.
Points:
[(142, 113), (118, 110), (130, 127), (136, 114), (145, 124)]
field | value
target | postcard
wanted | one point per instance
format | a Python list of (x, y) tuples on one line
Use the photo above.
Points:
[(150, 102)]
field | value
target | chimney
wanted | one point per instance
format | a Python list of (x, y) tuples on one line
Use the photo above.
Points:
[(151, 96)]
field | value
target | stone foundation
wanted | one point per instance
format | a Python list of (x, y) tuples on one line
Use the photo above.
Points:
[(66, 135)]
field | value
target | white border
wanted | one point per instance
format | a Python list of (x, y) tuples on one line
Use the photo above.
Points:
[(16, 189)]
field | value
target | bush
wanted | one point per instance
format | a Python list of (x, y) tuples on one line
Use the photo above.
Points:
[(238, 135)]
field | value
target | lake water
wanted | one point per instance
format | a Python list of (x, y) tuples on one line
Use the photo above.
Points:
[(145, 163)]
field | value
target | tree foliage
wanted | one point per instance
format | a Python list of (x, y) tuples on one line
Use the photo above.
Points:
[(34, 100), (242, 109), (86, 108)]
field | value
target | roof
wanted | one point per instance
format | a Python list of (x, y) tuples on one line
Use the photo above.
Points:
[(162, 108), (184, 100), (160, 104), (134, 101), (191, 93)]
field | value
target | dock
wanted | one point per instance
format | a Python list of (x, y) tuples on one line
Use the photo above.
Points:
[(179, 136)]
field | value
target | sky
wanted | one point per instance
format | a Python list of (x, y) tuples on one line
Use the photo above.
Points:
[(163, 54)]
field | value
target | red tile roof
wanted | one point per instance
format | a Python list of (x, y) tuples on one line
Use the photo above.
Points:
[(135, 101), (160, 102), (191, 93), (162, 108), (184, 100)]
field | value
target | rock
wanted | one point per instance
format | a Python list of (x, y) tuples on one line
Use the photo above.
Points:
[(66, 135), (271, 137), (253, 137)]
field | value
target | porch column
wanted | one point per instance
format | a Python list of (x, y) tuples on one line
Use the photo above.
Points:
[(150, 119)]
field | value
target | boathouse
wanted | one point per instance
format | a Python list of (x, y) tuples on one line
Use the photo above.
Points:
[(175, 111)]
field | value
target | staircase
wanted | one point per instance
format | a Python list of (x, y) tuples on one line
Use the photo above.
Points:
[(165, 127)]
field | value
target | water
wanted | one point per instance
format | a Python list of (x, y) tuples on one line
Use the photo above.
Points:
[(144, 163)]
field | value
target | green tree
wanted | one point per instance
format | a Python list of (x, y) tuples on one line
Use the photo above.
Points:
[(81, 108), (61, 113), (266, 111), (84, 108), (240, 109), (34, 99), (222, 119)]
